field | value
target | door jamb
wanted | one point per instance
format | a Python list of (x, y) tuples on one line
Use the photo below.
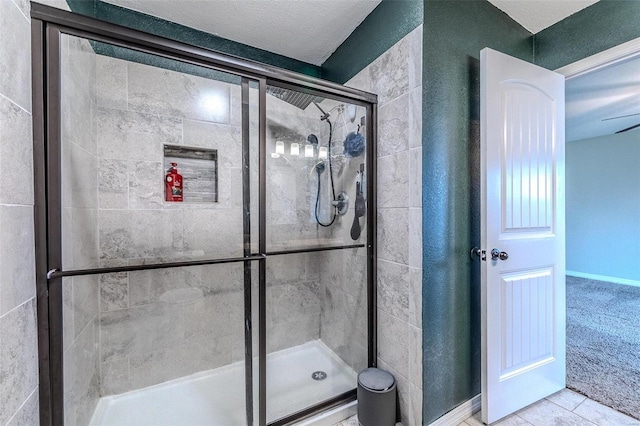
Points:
[(602, 59)]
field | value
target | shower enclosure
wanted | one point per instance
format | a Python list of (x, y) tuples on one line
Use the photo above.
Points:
[(205, 232)]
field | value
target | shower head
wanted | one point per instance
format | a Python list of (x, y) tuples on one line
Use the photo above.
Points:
[(295, 98), (320, 168)]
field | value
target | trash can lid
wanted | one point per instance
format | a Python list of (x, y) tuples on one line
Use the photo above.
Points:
[(376, 379)]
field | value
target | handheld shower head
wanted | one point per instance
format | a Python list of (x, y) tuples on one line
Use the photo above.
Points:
[(320, 168)]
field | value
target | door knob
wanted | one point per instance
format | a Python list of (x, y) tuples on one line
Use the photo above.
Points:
[(497, 254)]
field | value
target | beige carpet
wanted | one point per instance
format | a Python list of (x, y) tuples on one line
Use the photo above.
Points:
[(603, 343)]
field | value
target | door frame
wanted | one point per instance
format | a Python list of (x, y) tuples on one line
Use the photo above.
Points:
[(595, 62), (621, 52), (47, 26), (602, 59)]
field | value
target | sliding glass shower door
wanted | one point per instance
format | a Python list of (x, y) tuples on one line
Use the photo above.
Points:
[(205, 232), (316, 288), (157, 208)]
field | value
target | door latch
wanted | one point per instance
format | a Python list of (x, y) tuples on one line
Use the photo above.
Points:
[(482, 254)]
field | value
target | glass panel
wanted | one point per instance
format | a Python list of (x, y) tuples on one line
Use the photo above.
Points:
[(316, 327), (161, 347), (316, 175), (126, 116), (164, 346)]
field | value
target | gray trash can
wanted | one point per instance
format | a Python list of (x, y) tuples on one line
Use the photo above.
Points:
[(376, 398)]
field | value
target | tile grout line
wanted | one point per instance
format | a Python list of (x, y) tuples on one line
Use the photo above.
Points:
[(22, 405), (15, 103), (21, 12), (17, 307), (572, 411)]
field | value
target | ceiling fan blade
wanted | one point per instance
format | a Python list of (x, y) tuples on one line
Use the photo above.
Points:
[(620, 116), (628, 128)]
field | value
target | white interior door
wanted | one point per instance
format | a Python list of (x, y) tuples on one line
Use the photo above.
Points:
[(523, 289)]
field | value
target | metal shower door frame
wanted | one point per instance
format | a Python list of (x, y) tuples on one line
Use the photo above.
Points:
[(48, 24)]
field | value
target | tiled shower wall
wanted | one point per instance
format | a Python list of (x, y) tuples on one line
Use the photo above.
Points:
[(79, 229), (18, 354), (396, 76), (293, 280), (305, 297), (18, 347), (162, 324), (343, 321)]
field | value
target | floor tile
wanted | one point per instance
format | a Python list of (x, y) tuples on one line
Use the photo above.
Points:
[(567, 399), (603, 415), (546, 413), (512, 420), (351, 421), (475, 420)]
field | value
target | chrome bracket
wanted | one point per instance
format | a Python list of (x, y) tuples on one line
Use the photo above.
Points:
[(50, 273)]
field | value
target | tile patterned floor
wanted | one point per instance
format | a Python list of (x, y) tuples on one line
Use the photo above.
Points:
[(565, 408), (351, 421)]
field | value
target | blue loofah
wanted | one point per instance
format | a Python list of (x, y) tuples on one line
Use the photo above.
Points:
[(353, 145)]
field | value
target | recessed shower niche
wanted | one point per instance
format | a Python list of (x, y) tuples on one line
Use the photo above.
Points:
[(191, 174), (220, 308)]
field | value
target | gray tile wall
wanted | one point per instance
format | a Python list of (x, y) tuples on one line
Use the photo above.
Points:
[(344, 305), (327, 302), (160, 325), (18, 346), (292, 182), (17, 316), (79, 229), (396, 77), (293, 300)]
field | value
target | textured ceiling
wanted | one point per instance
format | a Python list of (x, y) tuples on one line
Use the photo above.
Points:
[(307, 30), (311, 30), (594, 100), (536, 15)]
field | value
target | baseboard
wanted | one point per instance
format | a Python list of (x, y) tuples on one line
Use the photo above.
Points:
[(614, 280), (460, 413)]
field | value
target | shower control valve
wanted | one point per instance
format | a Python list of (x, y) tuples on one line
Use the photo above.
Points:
[(341, 203)]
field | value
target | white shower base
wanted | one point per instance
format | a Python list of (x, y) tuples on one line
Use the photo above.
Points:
[(216, 397)]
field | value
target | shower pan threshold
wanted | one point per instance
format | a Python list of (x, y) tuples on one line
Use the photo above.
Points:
[(216, 397)]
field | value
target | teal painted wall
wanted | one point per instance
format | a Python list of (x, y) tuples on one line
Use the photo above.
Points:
[(599, 27), (389, 22), (454, 34), (603, 206), (140, 21)]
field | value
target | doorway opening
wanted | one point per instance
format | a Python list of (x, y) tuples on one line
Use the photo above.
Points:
[(603, 221)]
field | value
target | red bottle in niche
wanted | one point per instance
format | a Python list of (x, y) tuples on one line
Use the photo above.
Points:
[(173, 184)]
